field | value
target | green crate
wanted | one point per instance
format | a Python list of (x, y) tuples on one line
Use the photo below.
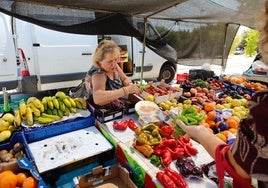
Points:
[(14, 103)]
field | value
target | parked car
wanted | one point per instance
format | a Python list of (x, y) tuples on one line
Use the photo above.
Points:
[(239, 51)]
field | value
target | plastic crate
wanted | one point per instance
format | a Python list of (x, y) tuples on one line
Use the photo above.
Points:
[(40, 133), (182, 77), (15, 138)]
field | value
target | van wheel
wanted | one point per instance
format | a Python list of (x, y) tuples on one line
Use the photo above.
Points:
[(167, 73)]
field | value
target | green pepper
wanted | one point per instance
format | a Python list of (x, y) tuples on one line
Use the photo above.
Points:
[(184, 119), (200, 116), (143, 138), (189, 111), (149, 127), (155, 160), (192, 121)]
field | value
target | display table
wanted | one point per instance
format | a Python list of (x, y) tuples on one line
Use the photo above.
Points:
[(144, 173)]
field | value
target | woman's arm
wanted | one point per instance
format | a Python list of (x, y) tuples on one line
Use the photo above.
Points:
[(102, 96)]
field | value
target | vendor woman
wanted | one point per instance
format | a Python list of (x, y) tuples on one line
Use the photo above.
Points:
[(105, 80)]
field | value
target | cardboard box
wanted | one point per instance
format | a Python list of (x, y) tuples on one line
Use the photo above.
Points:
[(106, 177)]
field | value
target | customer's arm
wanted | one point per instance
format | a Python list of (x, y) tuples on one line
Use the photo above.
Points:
[(210, 142)]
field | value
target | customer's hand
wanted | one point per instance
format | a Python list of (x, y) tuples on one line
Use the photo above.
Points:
[(133, 89), (192, 131)]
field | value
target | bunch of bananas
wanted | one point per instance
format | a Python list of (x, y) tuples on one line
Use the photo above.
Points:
[(49, 108), (8, 123)]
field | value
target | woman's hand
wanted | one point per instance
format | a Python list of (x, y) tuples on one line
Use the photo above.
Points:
[(133, 89)]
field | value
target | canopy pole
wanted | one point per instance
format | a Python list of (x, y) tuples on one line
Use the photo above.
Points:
[(223, 62), (143, 48)]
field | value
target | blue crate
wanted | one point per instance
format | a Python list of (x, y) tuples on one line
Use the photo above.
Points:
[(17, 137), (40, 133)]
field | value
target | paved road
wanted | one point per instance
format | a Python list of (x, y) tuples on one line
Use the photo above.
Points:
[(236, 64)]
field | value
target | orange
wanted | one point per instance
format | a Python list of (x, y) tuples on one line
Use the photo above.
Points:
[(211, 115), (205, 124), (232, 123), (225, 133), (236, 118), (211, 123), (30, 182), (209, 106), (20, 178), (221, 136), (8, 179), (232, 130)]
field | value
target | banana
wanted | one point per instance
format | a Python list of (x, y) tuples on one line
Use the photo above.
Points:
[(67, 102), (55, 102), (22, 107), (29, 116), (55, 111), (44, 120), (35, 110), (54, 117), (71, 100), (9, 118), (37, 103), (72, 110), (60, 113), (78, 104), (30, 99), (3, 125), (4, 135), (62, 105), (67, 112), (61, 95), (82, 101), (44, 102), (50, 103), (48, 111), (17, 119)]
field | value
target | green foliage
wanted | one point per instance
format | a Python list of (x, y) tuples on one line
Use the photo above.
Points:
[(252, 38)]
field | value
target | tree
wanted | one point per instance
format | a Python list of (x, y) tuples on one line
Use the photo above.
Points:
[(252, 38)]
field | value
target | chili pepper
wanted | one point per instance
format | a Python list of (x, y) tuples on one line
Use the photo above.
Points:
[(166, 157), (200, 116), (165, 180), (183, 145), (176, 177), (155, 160), (166, 130), (119, 125), (145, 149), (132, 125)]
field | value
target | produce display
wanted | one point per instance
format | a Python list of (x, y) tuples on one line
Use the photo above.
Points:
[(8, 123), (49, 109)]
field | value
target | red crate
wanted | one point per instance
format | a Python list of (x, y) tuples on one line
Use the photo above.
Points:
[(182, 77)]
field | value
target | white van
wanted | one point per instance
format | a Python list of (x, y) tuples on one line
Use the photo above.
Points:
[(57, 60)]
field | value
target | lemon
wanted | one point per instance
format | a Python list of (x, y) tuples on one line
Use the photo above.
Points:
[(149, 98)]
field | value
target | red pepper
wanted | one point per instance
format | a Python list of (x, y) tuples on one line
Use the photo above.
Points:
[(176, 177), (191, 149), (176, 153), (120, 125), (132, 125), (166, 130), (166, 157), (165, 180)]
